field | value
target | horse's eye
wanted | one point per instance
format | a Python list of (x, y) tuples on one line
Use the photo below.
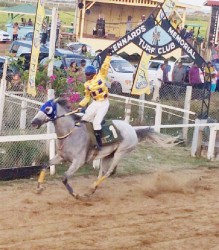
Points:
[(48, 110)]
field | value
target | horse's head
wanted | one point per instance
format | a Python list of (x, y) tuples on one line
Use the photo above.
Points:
[(51, 110), (48, 111)]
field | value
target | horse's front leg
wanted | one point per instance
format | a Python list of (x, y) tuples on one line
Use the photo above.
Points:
[(56, 160), (76, 164)]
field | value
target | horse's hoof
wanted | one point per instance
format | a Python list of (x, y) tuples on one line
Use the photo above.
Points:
[(90, 192), (39, 190), (76, 196)]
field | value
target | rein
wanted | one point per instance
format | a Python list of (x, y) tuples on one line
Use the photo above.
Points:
[(67, 114), (64, 136)]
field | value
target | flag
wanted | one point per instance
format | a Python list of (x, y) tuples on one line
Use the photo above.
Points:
[(141, 83), (168, 8), (40, 14)]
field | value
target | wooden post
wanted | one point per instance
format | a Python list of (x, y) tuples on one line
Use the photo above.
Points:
[(187, 105), (51, 129), (82, 19), (141, 107), (23, 117), (2, 93), (52, 43), (127, 109), (211, 143), (158, 117), (197, 138)]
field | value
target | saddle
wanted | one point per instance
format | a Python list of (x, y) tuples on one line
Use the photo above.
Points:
[(110, 134)]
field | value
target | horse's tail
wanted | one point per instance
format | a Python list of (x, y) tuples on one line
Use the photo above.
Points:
[(148, 134)]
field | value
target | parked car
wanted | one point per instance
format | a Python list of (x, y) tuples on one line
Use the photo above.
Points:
[(23, 49), (64, 61), (4, 36), (20, 47), (29, 36), (120, 75), (76, 47)]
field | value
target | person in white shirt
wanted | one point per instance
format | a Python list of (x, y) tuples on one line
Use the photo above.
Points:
[(157, 83)]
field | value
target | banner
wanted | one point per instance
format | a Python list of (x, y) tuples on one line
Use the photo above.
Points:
[(40, 14), (214, 27), (141, 83), (155, 38), (167, 8)]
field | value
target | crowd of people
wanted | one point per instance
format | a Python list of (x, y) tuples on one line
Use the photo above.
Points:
[(185, 76)]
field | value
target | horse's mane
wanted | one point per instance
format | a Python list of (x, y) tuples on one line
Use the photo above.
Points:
[(64, 103)]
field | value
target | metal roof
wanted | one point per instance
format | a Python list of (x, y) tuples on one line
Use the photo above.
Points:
[(212, 3), (23, 9)]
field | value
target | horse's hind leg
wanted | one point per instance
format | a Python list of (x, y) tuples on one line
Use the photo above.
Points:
[(105, 164), (115, 160)]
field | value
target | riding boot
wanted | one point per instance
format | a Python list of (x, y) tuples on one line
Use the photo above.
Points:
[(98, 134)]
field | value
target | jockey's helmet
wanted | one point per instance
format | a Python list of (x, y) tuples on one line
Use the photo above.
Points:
[(90, 70)]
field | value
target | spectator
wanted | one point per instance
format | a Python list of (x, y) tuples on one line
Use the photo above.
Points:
[(183, 31), (83, 50), (128, 25), (178, 74), (157, 83), (214, 52), (209, 73), (83, 65), (194, 76), (82, 69), (143, 18), (30, 23), (48, 31), (94, 31), (174, 23), (73, 67), (23, 21), (58, 27), (213, 81), (166, 70), (44, 32), (15, 31)]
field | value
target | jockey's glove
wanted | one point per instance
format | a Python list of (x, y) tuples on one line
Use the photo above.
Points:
[(81, 109)]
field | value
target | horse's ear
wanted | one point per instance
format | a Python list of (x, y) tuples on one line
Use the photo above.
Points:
[(56, 100)]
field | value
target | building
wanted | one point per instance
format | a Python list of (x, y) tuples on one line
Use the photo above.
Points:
[(100, 23)]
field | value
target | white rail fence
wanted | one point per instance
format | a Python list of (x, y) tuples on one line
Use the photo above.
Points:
[(159, 109), (157, 126)]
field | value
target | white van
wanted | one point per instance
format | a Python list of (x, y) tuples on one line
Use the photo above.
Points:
[(120, 75)]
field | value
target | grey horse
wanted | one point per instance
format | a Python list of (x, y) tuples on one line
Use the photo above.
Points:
[(73, 142)]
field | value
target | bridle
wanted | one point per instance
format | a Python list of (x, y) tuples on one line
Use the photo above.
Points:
[(61, 116)]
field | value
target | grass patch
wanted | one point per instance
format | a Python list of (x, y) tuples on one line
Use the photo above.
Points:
[(147, 158)]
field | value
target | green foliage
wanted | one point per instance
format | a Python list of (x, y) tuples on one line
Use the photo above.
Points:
[(65, 82), (21, 154)]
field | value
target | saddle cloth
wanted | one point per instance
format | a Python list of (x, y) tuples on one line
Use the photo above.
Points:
[(110, 134)]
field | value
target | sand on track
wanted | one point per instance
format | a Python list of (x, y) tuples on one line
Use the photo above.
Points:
[(162, 210)]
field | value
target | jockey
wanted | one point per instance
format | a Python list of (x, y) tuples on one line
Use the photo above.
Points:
[(95, 87)]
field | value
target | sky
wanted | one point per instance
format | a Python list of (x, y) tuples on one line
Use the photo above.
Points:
[(198, 3), (193, 2)]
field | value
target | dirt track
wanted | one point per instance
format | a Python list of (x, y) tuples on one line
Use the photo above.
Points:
[(177, 210)]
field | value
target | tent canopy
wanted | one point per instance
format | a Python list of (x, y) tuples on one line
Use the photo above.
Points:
[(23, 9)]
